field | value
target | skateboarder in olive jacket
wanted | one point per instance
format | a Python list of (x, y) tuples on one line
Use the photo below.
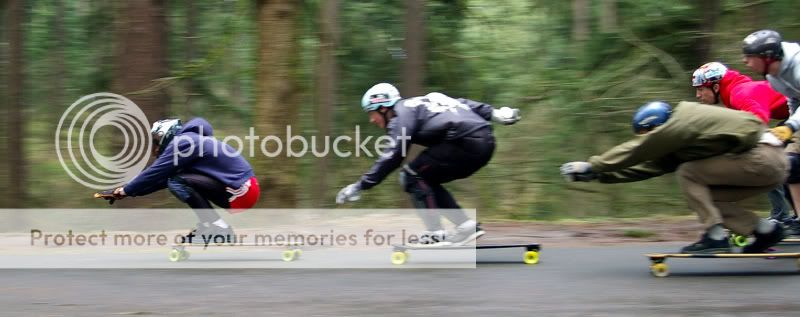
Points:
[(720, 156)]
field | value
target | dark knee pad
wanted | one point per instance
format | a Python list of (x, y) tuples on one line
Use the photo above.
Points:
[(794, 168), (179, 188), (421, 193)]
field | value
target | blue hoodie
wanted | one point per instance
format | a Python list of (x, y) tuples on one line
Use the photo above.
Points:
[(196, 151)]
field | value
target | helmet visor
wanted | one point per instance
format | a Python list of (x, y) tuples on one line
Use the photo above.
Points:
[(379, 98), (698, 80)]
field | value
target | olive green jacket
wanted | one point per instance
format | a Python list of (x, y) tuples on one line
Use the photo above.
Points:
[(694, 131)]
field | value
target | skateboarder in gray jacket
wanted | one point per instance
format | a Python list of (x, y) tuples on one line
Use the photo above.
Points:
[(459, 140)]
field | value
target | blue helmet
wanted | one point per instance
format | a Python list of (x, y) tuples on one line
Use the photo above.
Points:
[(380, 95), (651, 115)]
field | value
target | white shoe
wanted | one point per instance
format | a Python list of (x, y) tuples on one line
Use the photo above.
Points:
[(465, 233)]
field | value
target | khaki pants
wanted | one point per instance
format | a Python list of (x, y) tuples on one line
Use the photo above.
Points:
[(713, 186), (793, 147)]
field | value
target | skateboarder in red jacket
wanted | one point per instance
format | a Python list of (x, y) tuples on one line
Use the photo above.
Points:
[(715, 83)]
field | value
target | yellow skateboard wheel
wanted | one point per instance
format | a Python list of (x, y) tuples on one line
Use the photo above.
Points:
[(399, 258), (659, 269), (178, 255), (289, 255), (531, 257), (739, 240)]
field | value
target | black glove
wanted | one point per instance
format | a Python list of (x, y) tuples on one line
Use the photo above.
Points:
[(583, 177), (109, 196)]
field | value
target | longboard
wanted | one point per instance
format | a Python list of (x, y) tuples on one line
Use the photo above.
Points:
[(791, 241), (660, 269), (179, 252), (531, 255)]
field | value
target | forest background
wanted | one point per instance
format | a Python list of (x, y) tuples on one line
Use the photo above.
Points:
[(577, 70)]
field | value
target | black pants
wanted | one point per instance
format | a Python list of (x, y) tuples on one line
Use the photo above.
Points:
[(196, 190), (448, 161)]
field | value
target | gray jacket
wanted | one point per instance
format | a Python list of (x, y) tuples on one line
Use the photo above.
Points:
[(788, 81), (426, 120)]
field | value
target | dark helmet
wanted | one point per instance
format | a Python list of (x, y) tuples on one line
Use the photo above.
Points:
[(651, 115), (766, 43)]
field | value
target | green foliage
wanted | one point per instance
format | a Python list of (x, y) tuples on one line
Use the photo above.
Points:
[(576, 98)]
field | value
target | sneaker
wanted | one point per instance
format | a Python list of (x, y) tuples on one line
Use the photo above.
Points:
[(431, 238), (210, 234), (465, 233), (707, 245), (792, 227), (765, 241)]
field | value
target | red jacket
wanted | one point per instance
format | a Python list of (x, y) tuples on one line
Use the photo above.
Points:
[(739, 92)]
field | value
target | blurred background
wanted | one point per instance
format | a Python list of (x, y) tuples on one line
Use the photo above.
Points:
[(577, 70)]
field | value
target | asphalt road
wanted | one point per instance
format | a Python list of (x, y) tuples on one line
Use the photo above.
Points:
[(600, 281)]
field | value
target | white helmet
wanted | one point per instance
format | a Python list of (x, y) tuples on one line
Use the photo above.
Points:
[(708, 74), (380, 95)]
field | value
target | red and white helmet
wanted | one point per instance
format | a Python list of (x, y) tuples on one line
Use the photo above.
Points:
[(708, 74)]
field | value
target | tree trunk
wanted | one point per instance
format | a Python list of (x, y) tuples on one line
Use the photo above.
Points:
[(414, 68), (756, 14), (140, 54), (702, 46), (5, 101), (326, 92), (413, 71), (276, 100), (191, 34), (580, 20), (140, 30), (16, 136), (608, 16), (59, 66), (231, 64)]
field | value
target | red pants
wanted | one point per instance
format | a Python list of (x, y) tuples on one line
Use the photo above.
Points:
[(244, 197)]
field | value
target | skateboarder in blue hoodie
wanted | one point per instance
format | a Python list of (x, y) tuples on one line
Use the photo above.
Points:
[(199, 170)]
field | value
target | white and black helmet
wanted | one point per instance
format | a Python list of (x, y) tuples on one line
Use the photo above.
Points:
[(163, 131)]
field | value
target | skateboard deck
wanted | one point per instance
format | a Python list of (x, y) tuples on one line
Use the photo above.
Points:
[(531, 255), (660, 269), (179, 252)]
